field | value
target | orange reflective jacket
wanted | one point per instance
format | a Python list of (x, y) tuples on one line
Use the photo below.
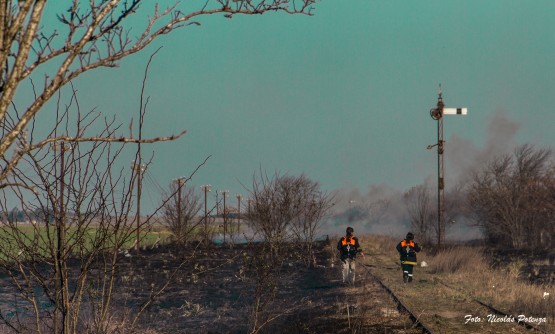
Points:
[(344, 241), (404, 243)]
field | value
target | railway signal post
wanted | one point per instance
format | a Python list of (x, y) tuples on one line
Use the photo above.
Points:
[(437, 114)]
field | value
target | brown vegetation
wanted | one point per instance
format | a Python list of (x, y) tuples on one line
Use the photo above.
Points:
[(478, 273), (513, 197)]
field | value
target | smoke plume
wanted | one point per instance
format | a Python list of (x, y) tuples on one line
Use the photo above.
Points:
[(382, 210)]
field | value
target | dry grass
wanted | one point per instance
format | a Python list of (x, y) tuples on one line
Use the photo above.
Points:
[(469, 269), (383, 243), (459, 259)]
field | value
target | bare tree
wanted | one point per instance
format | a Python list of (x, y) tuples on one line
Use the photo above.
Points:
[(181, 211), (271, 210), (81, 205), (88, 35), (285, 212), (512, 198), (269, 217), (286, 208), (313, 204), (420, 208)]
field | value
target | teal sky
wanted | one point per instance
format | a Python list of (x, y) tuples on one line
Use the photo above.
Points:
[(342, 96)]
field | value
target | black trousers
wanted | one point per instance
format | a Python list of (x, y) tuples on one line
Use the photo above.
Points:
[(407, 272), (407, 269)]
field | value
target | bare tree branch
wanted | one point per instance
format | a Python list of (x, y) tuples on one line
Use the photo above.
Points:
[(91, 35)]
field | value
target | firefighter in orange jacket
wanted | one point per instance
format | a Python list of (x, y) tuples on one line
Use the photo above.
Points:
[(348, 248), (407, 250)]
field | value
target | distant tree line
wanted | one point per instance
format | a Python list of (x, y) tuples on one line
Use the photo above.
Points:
[(17, 215)]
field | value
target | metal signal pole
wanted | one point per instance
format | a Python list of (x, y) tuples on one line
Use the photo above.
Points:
[(437, 114)]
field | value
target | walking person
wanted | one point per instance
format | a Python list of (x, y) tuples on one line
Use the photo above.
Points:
[(349, 248), (407, 250)]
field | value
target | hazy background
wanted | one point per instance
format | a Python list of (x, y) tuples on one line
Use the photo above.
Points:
[(342, 96)]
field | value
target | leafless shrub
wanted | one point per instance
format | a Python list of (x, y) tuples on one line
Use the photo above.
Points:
[(313, 204), (270, 215), (181, 210), (512, 199), (422, 213), (422, 209), (271, 211), (286, 213), (288, 208)]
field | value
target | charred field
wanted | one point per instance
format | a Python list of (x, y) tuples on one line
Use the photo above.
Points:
[(219, 288), (215, 290)]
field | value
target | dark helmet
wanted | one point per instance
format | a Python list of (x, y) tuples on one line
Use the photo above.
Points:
[(410, 236), (350, 230)]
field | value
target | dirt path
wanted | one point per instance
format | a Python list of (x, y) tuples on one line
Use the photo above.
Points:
[(336, 308)]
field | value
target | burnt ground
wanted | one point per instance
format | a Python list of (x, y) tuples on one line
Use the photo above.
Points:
[(536, 267), (214, 292)]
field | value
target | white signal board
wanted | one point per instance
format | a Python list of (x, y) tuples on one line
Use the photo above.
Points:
[(455, 111)]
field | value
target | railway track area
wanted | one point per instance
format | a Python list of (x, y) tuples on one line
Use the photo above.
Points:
[(435, 306)]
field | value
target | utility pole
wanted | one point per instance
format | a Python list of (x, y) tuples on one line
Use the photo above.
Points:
[(139, 169), (180, 183), (239, 198), (206, 188), (437, 114), (224, 194)]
